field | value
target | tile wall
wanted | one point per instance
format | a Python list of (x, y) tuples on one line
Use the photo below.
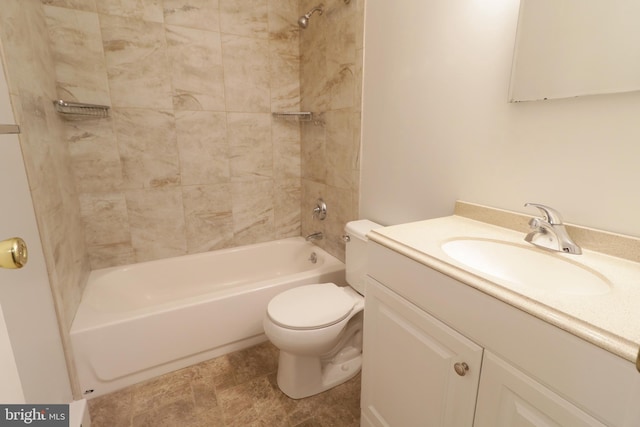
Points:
[(331, 51), (190, 159)]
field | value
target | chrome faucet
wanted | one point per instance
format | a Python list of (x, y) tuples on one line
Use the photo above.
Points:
[(315, 236), (549, 232)]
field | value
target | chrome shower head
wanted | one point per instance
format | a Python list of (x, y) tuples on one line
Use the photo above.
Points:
[(303, 22)]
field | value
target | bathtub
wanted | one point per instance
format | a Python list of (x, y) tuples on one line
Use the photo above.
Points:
[(139, 321)]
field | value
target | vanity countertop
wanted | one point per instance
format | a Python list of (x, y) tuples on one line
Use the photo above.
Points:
[(610, 320)]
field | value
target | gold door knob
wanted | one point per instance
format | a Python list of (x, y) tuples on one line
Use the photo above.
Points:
[(13, 253)]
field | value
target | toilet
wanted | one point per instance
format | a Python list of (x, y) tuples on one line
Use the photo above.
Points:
[(318, 328)]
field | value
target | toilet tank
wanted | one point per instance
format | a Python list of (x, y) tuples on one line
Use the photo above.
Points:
[(356, 252)]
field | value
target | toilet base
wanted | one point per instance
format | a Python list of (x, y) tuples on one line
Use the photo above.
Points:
[(303, 376)]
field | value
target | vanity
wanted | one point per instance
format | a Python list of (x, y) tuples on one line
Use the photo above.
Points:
[(448, 343)]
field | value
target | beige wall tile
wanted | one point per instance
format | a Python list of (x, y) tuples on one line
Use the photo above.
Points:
[(286, 170), (286, 150), (179, 69), (94, 155), (283, 19), (148, 147), (136, 60), (314, 90), (246, 73), (204, 149), (88, 5), (357, 97), (37, 149), (26, 47), (202, 14), (341, 152), (253, 215), (313, 152), (208, 216), (247, 18), (250, 146), (110, 255), (286, 209), (79, 77), (284, 61), (156, 221), (196, 69), (105, 218), (213, 66), (331, 80), (148, 10), (339, 201)]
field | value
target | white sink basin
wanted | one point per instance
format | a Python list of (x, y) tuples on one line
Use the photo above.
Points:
[(523, 267)]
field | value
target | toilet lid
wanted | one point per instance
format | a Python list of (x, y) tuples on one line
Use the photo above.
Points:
[(310, 306)]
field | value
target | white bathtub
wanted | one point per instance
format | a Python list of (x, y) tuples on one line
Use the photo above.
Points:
[(139, 321)]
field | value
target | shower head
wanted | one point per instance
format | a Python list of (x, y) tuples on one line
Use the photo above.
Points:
[(303, 22)]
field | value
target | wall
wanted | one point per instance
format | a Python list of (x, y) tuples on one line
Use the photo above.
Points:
[(30, 75), (437, 126), (331, 83), (190, 159)]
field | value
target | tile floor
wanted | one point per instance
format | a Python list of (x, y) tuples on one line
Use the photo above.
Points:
[(237, 389)]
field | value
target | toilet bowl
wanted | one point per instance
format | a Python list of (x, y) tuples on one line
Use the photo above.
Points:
[(318, 328)]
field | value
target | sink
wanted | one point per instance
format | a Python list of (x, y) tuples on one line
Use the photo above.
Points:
[(522, 267)]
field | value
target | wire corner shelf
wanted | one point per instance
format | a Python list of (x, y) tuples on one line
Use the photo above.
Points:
[(300, 116), (78, 110)]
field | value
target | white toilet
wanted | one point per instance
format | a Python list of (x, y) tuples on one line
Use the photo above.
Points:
[(318, 328)]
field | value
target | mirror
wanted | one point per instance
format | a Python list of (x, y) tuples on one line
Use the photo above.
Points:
[(567, 48)]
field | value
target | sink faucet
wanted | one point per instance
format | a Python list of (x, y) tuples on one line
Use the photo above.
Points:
[(315, 236), (549, 232)]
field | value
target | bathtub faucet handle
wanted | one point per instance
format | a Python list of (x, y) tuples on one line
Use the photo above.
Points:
[(320, 210)]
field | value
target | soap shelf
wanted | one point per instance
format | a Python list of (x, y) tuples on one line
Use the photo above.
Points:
[(300, 116), (77, 110)]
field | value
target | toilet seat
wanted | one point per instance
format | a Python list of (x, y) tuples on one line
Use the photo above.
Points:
[(310, 307)]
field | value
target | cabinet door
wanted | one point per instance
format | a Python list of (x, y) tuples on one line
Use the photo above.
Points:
[(509, 398), (409, 361)]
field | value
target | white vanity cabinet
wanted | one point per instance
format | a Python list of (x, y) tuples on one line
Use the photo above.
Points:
[(411, 366), (420, 323)]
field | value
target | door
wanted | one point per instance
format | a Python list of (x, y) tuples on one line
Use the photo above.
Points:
[(10, 386), (509, 398), (31, 355), (417, 371)]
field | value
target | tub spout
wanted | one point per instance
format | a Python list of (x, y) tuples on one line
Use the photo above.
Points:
[(315, 236)]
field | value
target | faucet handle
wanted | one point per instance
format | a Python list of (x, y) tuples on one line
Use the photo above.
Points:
[(550, 215)]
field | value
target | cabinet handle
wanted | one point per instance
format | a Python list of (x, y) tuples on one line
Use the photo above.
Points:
[(461, 368)]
